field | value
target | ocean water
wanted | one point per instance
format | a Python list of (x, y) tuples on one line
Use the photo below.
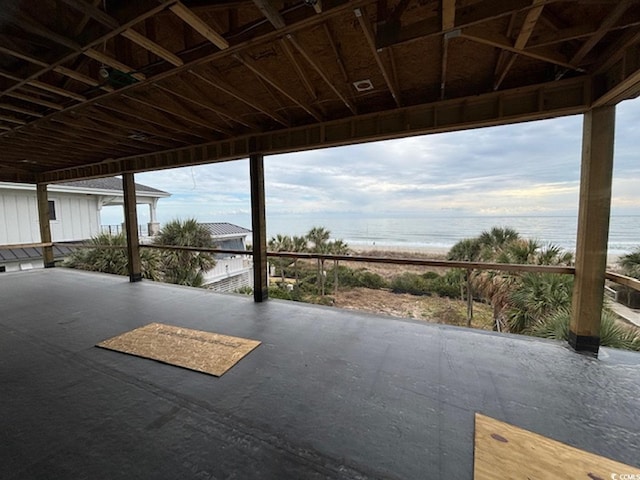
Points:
[(444, 232)]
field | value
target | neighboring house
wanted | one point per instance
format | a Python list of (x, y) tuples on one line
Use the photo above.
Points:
[(74, 215), (232, 271)]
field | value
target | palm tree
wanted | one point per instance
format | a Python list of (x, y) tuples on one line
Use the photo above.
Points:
[(298, 244), (630, 263), (281, 243), (185, 267), (318, 237), (109, 255), (466, 250)]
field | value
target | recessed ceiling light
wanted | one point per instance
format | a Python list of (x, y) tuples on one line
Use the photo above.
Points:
[(363, 85)]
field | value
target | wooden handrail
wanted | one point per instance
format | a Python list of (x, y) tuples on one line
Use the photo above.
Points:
[(26, 245), (504, 267)]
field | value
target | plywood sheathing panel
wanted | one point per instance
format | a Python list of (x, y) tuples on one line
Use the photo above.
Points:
[(204, 352)]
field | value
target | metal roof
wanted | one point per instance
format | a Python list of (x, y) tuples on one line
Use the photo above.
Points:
[(95, 89), (30, 253), (224, 229)]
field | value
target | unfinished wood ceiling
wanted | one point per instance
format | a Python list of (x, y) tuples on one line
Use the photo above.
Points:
[(95, 87)]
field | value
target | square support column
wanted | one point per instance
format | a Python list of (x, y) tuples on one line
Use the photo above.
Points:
[(259, 228), (131, 227), (44, 219), (593, 228)]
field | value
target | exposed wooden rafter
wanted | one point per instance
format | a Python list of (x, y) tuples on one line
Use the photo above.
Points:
[(367, 29), (529, 24), (153, 47), (114, 63), (199, 25)]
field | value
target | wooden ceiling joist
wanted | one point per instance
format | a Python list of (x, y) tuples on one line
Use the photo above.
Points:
[(320, 71), (58, 91), (271, 13), (613, 16), (17, 121), (213, 79), (22, 56), (82, 78), (367, 29), (529, 24), (192, 93), (37, 101), (251, 65), (105, 59), (153, 47), (25, 111), (301, 74), (91, 11), (199, 25)]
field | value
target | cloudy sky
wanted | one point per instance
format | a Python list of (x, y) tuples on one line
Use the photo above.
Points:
[(530, 168)]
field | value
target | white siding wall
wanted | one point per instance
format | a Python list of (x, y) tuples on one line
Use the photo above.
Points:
[(76, 217)]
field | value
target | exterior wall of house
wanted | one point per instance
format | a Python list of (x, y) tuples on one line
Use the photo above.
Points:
[(76, 217)]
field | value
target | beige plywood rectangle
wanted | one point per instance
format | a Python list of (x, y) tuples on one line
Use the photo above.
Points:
[(507, 452), (205, 352)]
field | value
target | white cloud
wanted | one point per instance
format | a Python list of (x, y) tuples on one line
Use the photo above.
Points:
[(532, 167)]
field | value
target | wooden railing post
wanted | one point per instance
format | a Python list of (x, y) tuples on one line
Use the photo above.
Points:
[(131, 225), (44, 218), (259, 228), (593, 228)]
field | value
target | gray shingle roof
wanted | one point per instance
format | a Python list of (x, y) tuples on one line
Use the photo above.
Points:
[(217, 229), (108, 183)]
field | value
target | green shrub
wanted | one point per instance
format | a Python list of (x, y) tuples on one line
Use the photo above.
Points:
[(444, 286), (410, 283), (430, 275), (351, 278), (612, 333)]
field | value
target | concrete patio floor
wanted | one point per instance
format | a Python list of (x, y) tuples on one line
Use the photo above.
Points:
[(329, 393)]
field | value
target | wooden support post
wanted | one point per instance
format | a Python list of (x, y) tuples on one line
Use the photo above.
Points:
[(259, 228), (44, 217), (593, 228), (131, 227)]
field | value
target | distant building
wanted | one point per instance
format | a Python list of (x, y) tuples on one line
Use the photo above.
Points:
[(232, 271), (74, 208)]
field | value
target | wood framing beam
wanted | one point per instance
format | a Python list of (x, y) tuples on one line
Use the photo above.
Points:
[(58, 91), (112, 62), (22, 56), (495, 40), (301, 74), (271, 13), (199, 25), (131, 227), (24, 111), (251, 65), (593, 228), (258, 228), (367, 29), (613, 16), (554, 99), (192, 93), (529, 24), (91, 11), (336, 52), (37, 101), (153, 47), (5, 118), (213, 79), (80, 77), (448, 14), (175, 108), (620, 80), (44, 217), (322, 74)]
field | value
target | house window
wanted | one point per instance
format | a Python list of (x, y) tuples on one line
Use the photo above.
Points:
[(3, 268), (52, 210)]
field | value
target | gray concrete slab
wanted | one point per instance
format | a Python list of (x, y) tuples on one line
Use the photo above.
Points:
[(328, 394)]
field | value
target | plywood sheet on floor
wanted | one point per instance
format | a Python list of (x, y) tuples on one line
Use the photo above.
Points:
[(507, 452), (205, 352)]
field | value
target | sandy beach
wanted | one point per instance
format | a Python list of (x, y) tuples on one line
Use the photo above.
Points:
[(437, 253)]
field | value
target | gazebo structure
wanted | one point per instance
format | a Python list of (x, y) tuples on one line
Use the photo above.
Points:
[(97, 88), (92, 89)]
